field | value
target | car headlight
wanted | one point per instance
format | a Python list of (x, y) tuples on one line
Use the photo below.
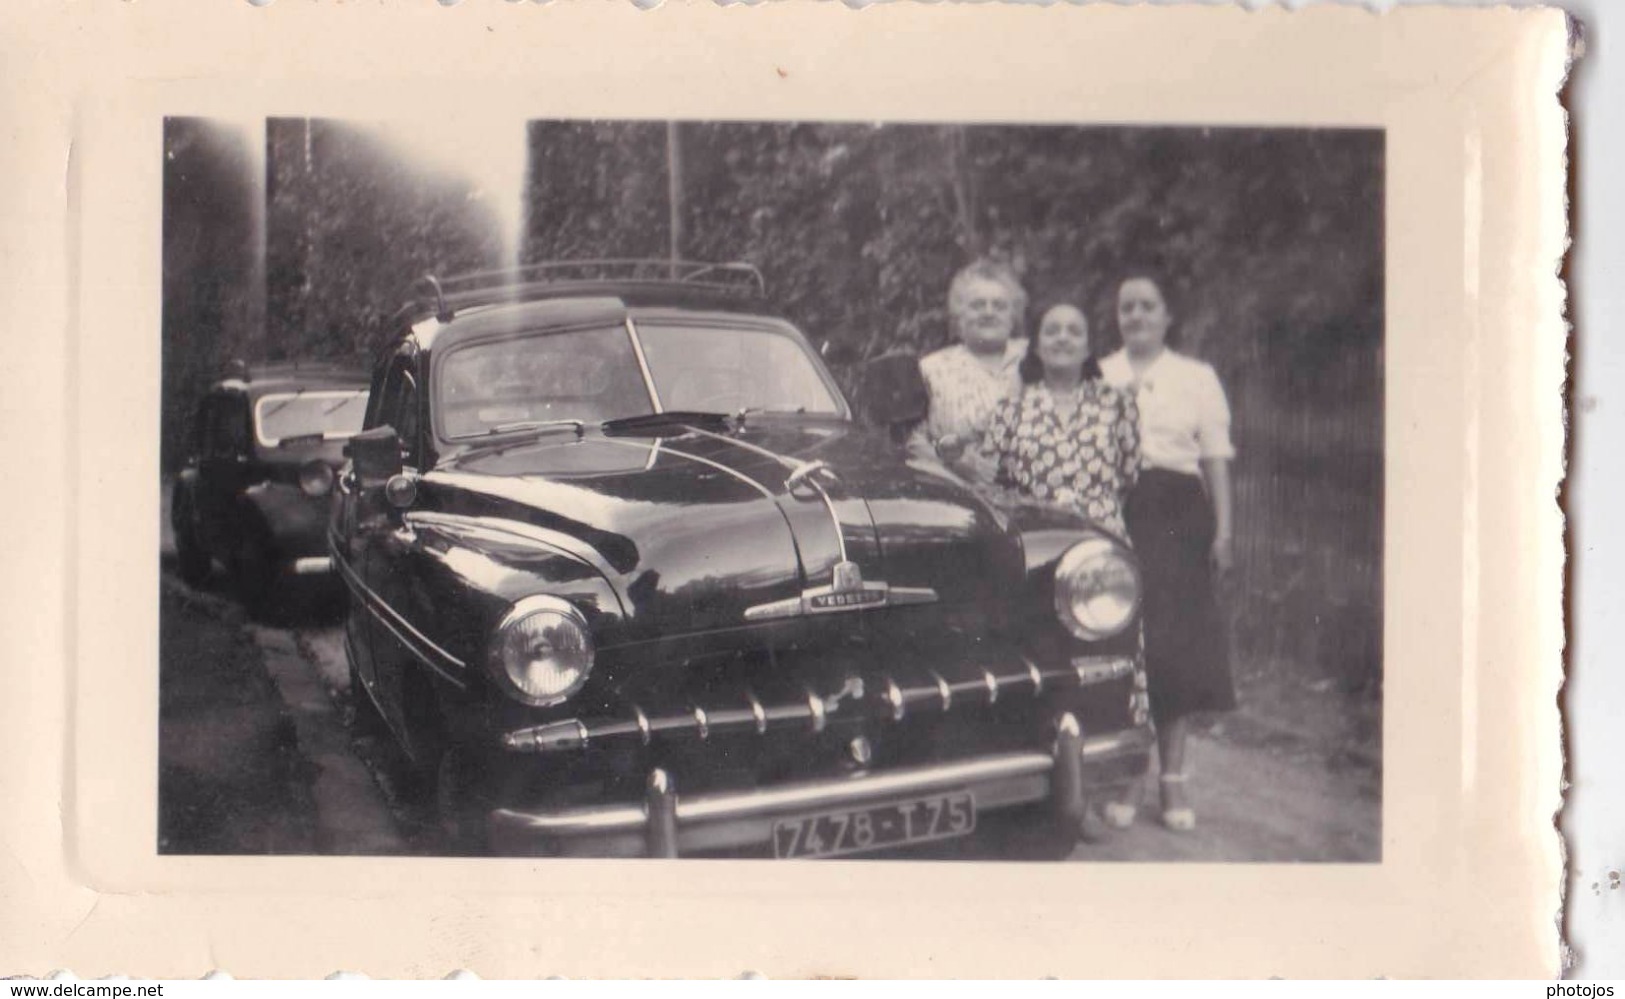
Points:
[(542, 651), (1097, 588), (316, 478)]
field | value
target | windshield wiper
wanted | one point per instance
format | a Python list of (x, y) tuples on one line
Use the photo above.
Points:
[(284, 404), (671, 419), (518, 432), (740, 414), (528, 426)]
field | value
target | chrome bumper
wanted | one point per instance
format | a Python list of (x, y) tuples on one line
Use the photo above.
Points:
[(666, 825)]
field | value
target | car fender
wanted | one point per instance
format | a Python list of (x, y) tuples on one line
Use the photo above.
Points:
[(465, 573), (455, 578), (292, 520), (1046, 533)]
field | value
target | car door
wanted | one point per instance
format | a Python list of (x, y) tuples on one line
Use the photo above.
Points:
[(383, 546), (349, 544)]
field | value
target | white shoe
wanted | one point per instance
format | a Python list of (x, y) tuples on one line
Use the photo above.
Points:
[(1119, 814), (1182, 819)]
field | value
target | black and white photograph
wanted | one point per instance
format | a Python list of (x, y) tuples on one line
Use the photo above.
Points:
[(776, 489), (946, 491)]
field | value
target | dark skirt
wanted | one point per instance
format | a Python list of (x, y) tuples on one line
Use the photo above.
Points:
[(1187, 653)]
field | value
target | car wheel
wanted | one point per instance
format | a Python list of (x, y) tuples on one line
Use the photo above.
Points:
[(190, 557), (253, 569), (459, 807)]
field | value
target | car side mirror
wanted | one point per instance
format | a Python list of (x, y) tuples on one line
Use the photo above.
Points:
[(893, 392), (376, 455)]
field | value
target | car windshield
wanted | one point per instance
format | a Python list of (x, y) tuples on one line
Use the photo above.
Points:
[(729, 369), (592, 376), (589, 375), (332, 414)]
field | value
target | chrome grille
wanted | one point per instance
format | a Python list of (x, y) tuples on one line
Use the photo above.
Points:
[(877, 696)]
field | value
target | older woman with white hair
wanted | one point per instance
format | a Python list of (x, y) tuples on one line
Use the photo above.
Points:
[(968, 380)]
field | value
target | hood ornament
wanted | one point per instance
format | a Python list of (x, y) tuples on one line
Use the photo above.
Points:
[(847, 590), (846, 578), (804, 473)]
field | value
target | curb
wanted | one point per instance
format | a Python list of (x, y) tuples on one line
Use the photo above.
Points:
[(212, 604)]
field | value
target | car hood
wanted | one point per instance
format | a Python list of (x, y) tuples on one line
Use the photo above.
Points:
[(701, 530), (300, 452)]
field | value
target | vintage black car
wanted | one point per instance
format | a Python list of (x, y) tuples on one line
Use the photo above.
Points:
[(626, 579), (254, 493)]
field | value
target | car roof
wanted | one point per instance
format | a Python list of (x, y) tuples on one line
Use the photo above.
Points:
[(267, 379)]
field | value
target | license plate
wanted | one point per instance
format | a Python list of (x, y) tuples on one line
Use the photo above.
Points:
[(862, 829)]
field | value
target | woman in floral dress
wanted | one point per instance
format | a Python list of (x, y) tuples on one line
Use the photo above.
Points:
[(1066, 438)]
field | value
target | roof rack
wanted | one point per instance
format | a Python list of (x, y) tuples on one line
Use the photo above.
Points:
[(447, 294), (247, 372)]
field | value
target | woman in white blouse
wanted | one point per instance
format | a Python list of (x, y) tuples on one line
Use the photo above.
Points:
[(1179, 518)]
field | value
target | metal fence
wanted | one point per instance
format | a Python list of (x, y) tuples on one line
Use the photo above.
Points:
[(1307, 592)]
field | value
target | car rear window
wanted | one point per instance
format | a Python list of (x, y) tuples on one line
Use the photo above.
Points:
[(285, 415)]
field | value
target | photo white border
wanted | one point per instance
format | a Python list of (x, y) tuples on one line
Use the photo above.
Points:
[(1468, 881)]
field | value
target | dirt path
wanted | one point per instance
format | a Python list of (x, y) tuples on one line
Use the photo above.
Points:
[(233, 776), (1253, 807), (352, 815)]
